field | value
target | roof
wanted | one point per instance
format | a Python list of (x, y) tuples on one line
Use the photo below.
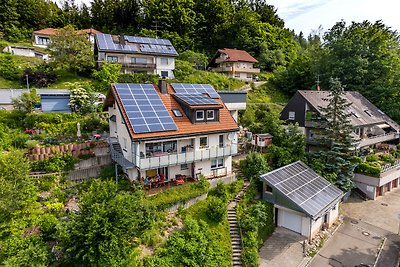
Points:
[(6, 95), (307, 190), (235, 55), (184, 126), (266, 135), (53, 31), (362, 110), (41, 92), (134, 45)]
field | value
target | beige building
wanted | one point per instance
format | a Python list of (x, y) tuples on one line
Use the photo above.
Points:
[(235, 63)]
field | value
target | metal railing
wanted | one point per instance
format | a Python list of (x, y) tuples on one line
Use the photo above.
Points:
[(118, 156)]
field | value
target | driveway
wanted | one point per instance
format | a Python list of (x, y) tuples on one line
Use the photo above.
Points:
[(367, 225), (282, 249)]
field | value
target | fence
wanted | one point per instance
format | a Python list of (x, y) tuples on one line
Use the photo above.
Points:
[(188, 203)]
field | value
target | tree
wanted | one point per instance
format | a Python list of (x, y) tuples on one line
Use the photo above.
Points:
[(82, 99), (366, 57), (72, 51), (337, 136), (254, 165), (108, 74), (26, 102), (103, 230)]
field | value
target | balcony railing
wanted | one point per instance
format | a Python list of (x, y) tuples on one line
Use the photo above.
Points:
[(117, 155), (138, 65), (315, 124), (247, 70), (378, 139), (187, 157)]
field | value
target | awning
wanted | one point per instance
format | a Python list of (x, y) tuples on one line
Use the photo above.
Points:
[(383, 125)]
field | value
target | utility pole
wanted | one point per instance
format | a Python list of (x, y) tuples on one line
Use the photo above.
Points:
[(27, 81), (317, 82)]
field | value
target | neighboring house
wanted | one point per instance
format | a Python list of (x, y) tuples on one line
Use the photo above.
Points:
[(26, 52), (7, 95), (261, 140), (54, 100), (136, 54), (234, 101), (173, 130), (370, 125), (234, 63), (304, 201), (42, 38)]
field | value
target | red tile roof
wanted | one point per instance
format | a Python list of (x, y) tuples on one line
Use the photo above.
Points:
[(237, 55), (185, 126), (53, 31)]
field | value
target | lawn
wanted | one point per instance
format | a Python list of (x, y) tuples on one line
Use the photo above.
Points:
[(265, 94)]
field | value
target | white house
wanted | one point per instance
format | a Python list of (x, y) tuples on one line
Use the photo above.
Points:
[(25, 52), (42, 38), (304, 201), (136, 54), (174, 130)]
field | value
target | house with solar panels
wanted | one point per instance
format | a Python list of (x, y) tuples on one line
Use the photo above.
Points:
[(136, 54), (173, 130), (304, 201)]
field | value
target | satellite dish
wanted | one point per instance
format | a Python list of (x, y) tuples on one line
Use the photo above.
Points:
[(231, 136)]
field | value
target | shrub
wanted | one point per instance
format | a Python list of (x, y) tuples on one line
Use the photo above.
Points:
[(372, 157), (220, 191), (55, 163), (8, 67), (216, 209), (138, 78), (387, 158), (368, 169), (48, 224), (43, 76)]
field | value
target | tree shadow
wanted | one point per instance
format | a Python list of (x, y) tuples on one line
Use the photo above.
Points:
[(351, 257)]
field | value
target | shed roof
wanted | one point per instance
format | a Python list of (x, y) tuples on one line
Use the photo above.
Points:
[(307, 190), (54, 31), (362, 110), (41, 92)]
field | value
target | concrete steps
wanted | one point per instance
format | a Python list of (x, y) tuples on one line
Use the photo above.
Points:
[(234, 230)]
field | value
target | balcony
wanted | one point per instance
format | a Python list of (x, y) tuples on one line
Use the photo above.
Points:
[(222, 69), (188, 157), (314, 124), (138, 65), (377, 139), (388, 173), (246, 70)]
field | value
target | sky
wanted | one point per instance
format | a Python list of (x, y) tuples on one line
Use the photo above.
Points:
[(308, 15)]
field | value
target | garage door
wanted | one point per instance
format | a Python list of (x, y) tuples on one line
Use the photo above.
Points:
[(55, 103), (290, 220)]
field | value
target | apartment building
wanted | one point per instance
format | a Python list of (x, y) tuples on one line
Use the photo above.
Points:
[(235, 63), (170, 129), (136, 54)]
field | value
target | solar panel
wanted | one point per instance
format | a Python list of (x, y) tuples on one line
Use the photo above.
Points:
[(187, 88), (196, 99), (159, 49), (304, 187), (144, 108), (105, 42), (147, 40)]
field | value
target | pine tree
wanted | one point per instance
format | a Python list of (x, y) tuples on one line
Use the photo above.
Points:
[(338, 137)]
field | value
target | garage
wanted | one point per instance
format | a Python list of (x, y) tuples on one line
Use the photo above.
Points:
[(290, 220)]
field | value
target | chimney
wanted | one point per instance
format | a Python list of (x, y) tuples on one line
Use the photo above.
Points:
[(122, 39), (162, 84)]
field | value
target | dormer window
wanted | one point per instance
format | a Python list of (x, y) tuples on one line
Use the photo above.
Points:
[(210, 115), (177, 112), (199, 115)]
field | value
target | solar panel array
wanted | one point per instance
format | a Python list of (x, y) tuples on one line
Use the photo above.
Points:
[(187, 88), (147, 40), (105, 42), (136, 44), (196, 99), (144, 108), (304, 187)]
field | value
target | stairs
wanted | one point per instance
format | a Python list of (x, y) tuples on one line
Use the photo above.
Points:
[(118, 156), (234, 229)]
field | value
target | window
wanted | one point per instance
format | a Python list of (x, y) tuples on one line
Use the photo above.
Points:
[(203, 142), (368, 112), (268, 189), (184, 167), (210, 115), (124, 140), (170, 146), (164, 61), (217, 163), (139, 60), (292, 115), (112, 58), (164, 73), (221, 140), (355, 114), (177, 112), (249, 76), (43, 40), (199, 115), (237, 75)]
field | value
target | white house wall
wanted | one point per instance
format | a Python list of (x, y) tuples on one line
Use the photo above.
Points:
[(122, 133), (160, 66)]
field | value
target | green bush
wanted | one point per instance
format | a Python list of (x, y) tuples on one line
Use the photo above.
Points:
[(56, 163), (368, 169), (371, 158), (8, 67), (220, 191), (48, 223), (387, 158), (216, 209)]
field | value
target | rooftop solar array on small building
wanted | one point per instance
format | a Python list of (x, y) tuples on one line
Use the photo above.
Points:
[(196, 99), (305, 188), (187, 88), (136, 44), (144, 108)]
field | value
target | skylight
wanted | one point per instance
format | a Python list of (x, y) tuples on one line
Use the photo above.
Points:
[(355, 114), (177, 112), (368, 112)]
